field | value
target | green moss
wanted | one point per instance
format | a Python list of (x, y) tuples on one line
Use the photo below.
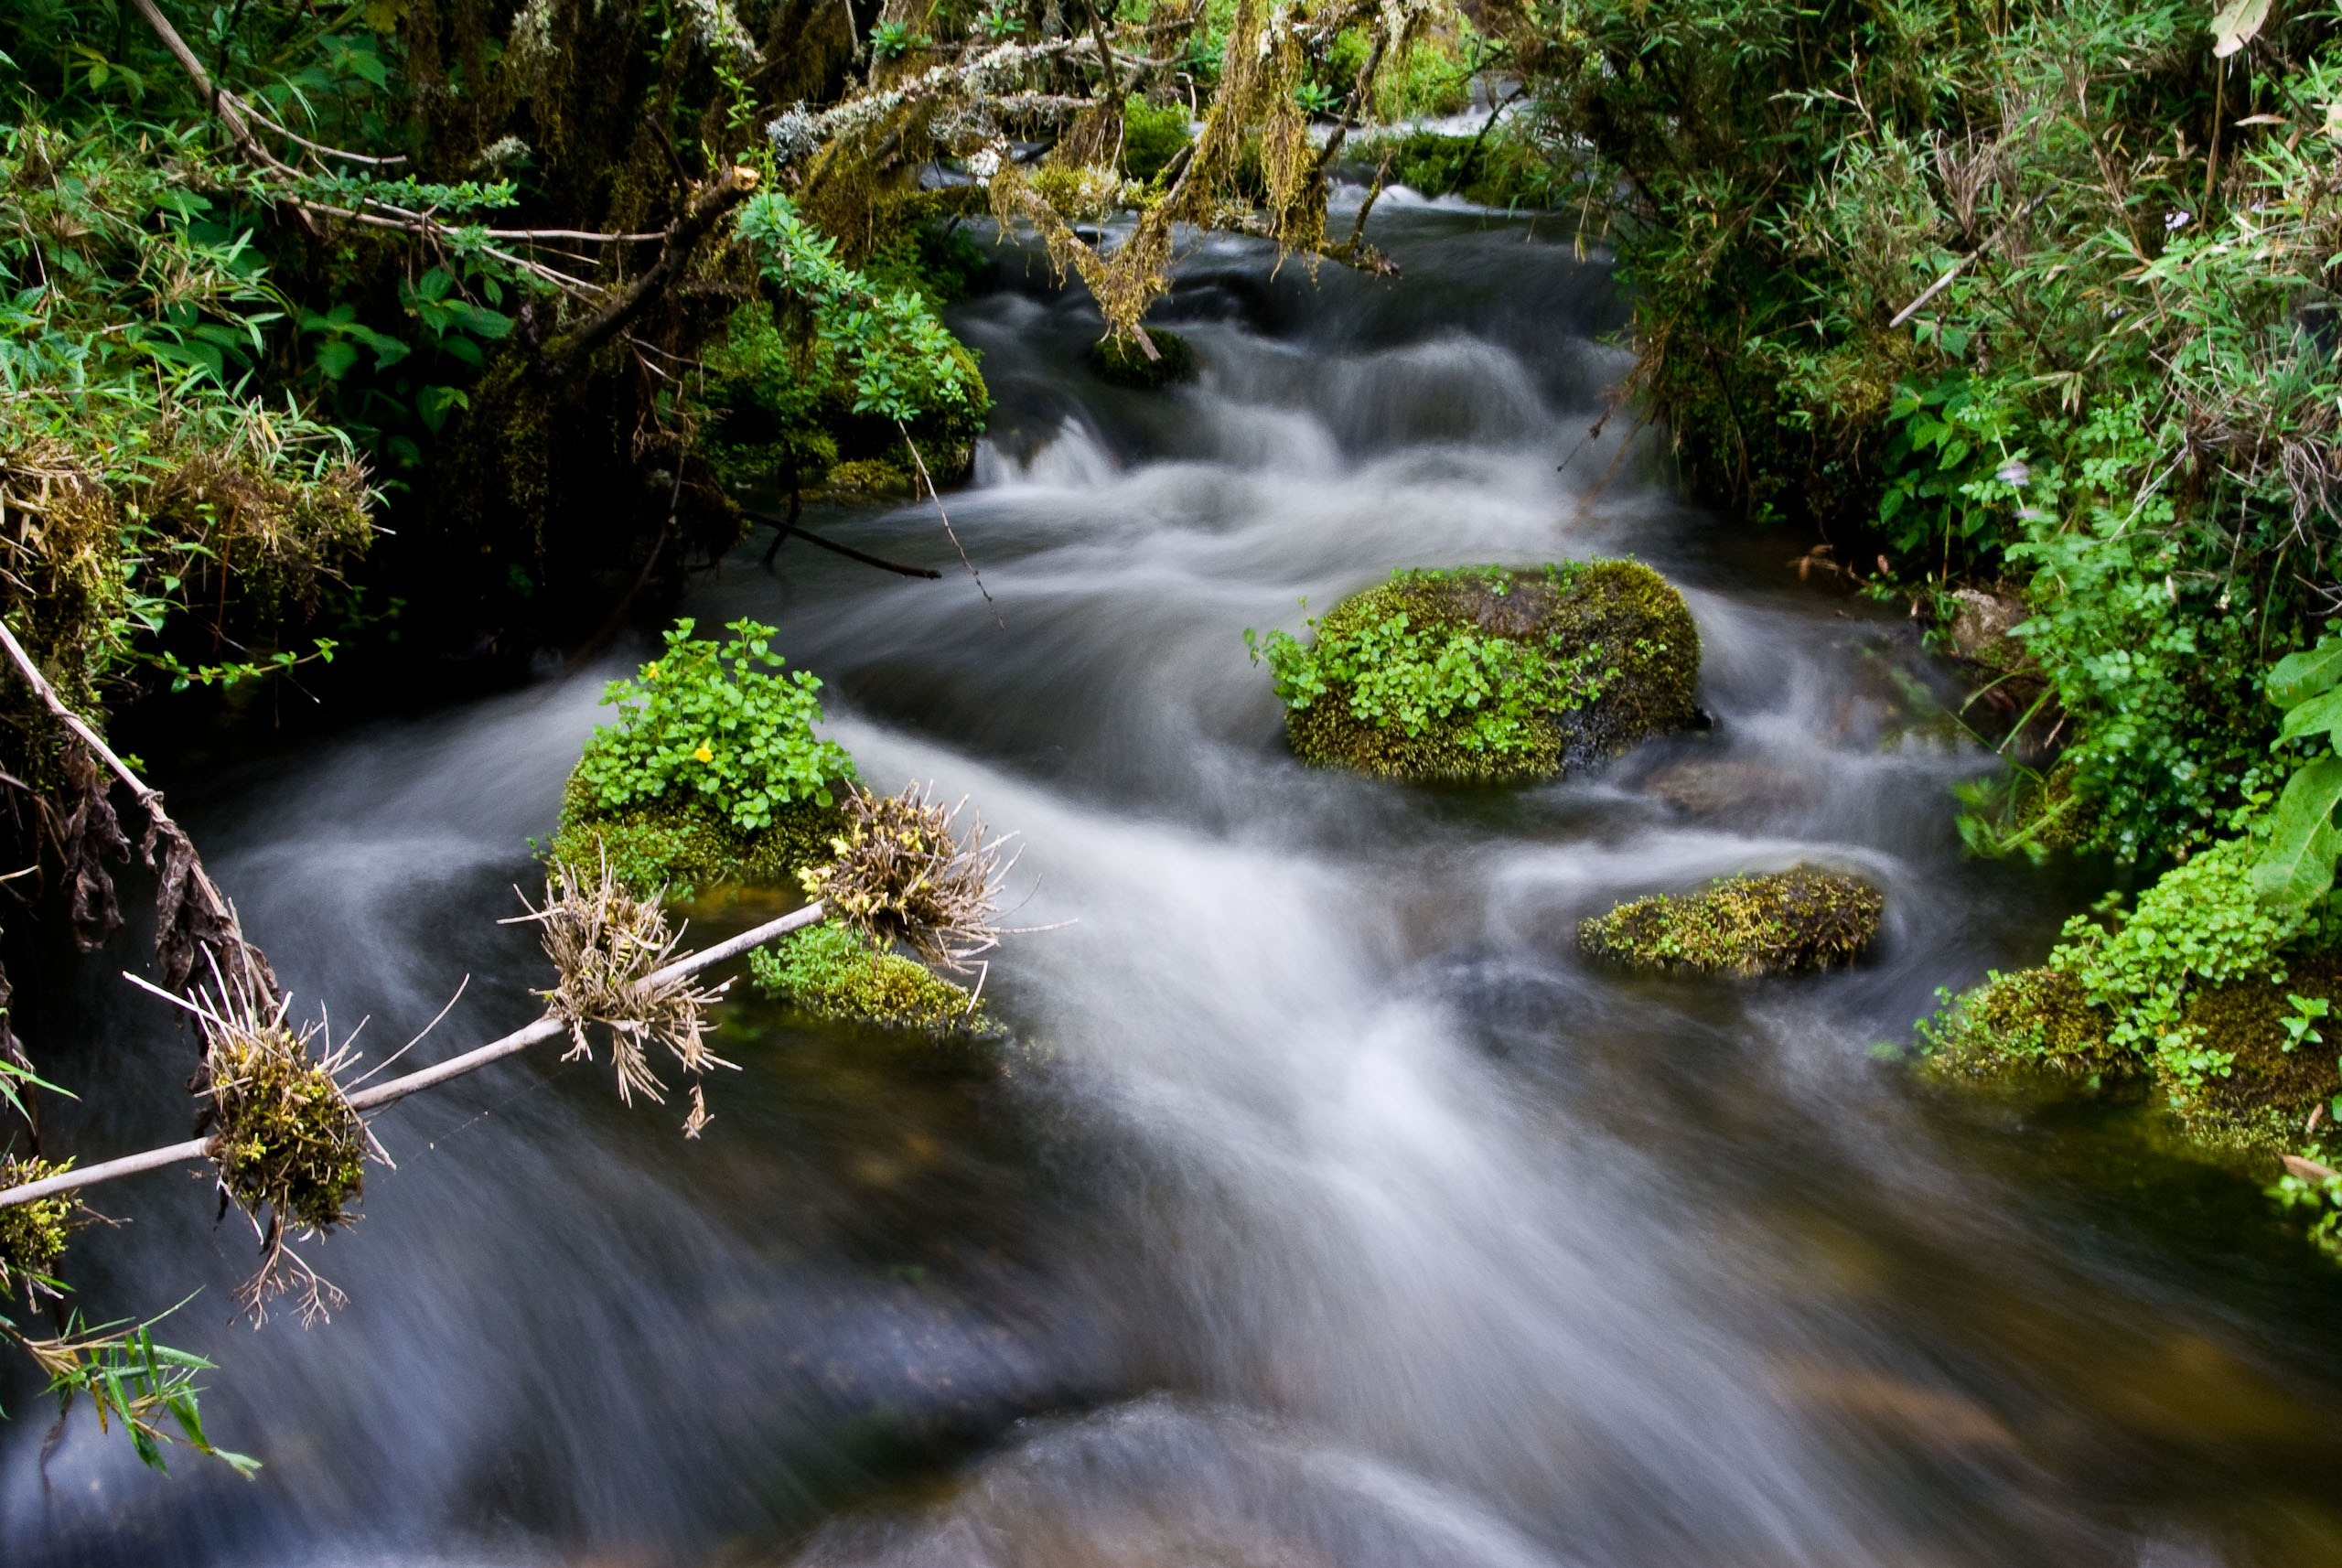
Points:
[(2266, 1095), (870, 477), (1646, 643), (1119, 361), (1774, 924), (834, 970), (1152, 137), (2033, 1022), (682, 844), (32, 1235)]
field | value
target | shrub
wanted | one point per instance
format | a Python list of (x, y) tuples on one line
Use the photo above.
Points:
[(717, 726)]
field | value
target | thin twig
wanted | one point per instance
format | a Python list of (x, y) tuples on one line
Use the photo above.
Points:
[(937, 497)]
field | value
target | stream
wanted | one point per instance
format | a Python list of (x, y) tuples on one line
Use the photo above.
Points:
[(1326, 1207)]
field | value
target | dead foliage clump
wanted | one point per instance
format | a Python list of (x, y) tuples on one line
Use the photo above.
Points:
[(902, 875), (607, 947)]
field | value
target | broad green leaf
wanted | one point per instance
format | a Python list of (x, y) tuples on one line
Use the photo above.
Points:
[(2296, 865), (2298, 677), (2319, 714), (2234, 25)]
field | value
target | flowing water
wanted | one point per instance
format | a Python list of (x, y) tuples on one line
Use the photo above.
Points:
[(1327, 1207)]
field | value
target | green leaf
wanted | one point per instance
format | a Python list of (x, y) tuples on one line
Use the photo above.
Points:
[(2319, 714), (2301, 676), (2296, 865)]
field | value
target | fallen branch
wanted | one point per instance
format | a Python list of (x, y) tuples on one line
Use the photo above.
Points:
[(680, 238), (790, 530), (385, 1094)]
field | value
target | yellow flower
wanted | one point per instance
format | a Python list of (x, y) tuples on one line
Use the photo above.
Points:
[(702, 754), (650, 670)]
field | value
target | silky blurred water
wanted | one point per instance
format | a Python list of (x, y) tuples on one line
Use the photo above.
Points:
[(1326, 1207)]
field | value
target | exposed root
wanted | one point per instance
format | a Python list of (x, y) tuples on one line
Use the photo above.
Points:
[(605, 944)]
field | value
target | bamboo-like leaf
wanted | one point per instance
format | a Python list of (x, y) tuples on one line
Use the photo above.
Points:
[(2296, 865), (2234, 25)]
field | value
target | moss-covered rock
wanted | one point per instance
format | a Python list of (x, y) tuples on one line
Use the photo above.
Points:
[(835, 971), (1119, 361), (2036, 1022), (1621, 625), (1773, 924), (685, 846)]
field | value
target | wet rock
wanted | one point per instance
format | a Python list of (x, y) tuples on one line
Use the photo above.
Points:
[(1628, 625), (1119, 361), (1703, 786), (1979, 629), (1776, 923)]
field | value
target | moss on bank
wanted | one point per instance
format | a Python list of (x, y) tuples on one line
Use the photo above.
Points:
[(1779, 923), (2231, 1071), (2036, 1022), (683, 844), (1635, 664), (835, 971)]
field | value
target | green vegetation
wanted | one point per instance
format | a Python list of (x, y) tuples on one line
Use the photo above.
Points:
[(711, 774), (1488, 673), (833, 970), (1778, 923), (2028, 293), (1119, 361)]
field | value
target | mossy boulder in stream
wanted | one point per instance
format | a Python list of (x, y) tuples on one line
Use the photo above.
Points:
[(1773, 924), (1489, 673), (835, 971), (683, 845), (1119, 361), (712, 774)]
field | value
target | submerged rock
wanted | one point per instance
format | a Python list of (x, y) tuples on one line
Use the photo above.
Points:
[(685, 846), (1119, 361), (1704, 786), (1606, 655), (1773, 924)]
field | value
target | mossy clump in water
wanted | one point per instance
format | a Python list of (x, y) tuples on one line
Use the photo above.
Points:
[(834, 970), (686, 844), (712, 774), (32, 1235), (1774, 924), (2033, 1022), (1491, 674), (1119, 361)]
